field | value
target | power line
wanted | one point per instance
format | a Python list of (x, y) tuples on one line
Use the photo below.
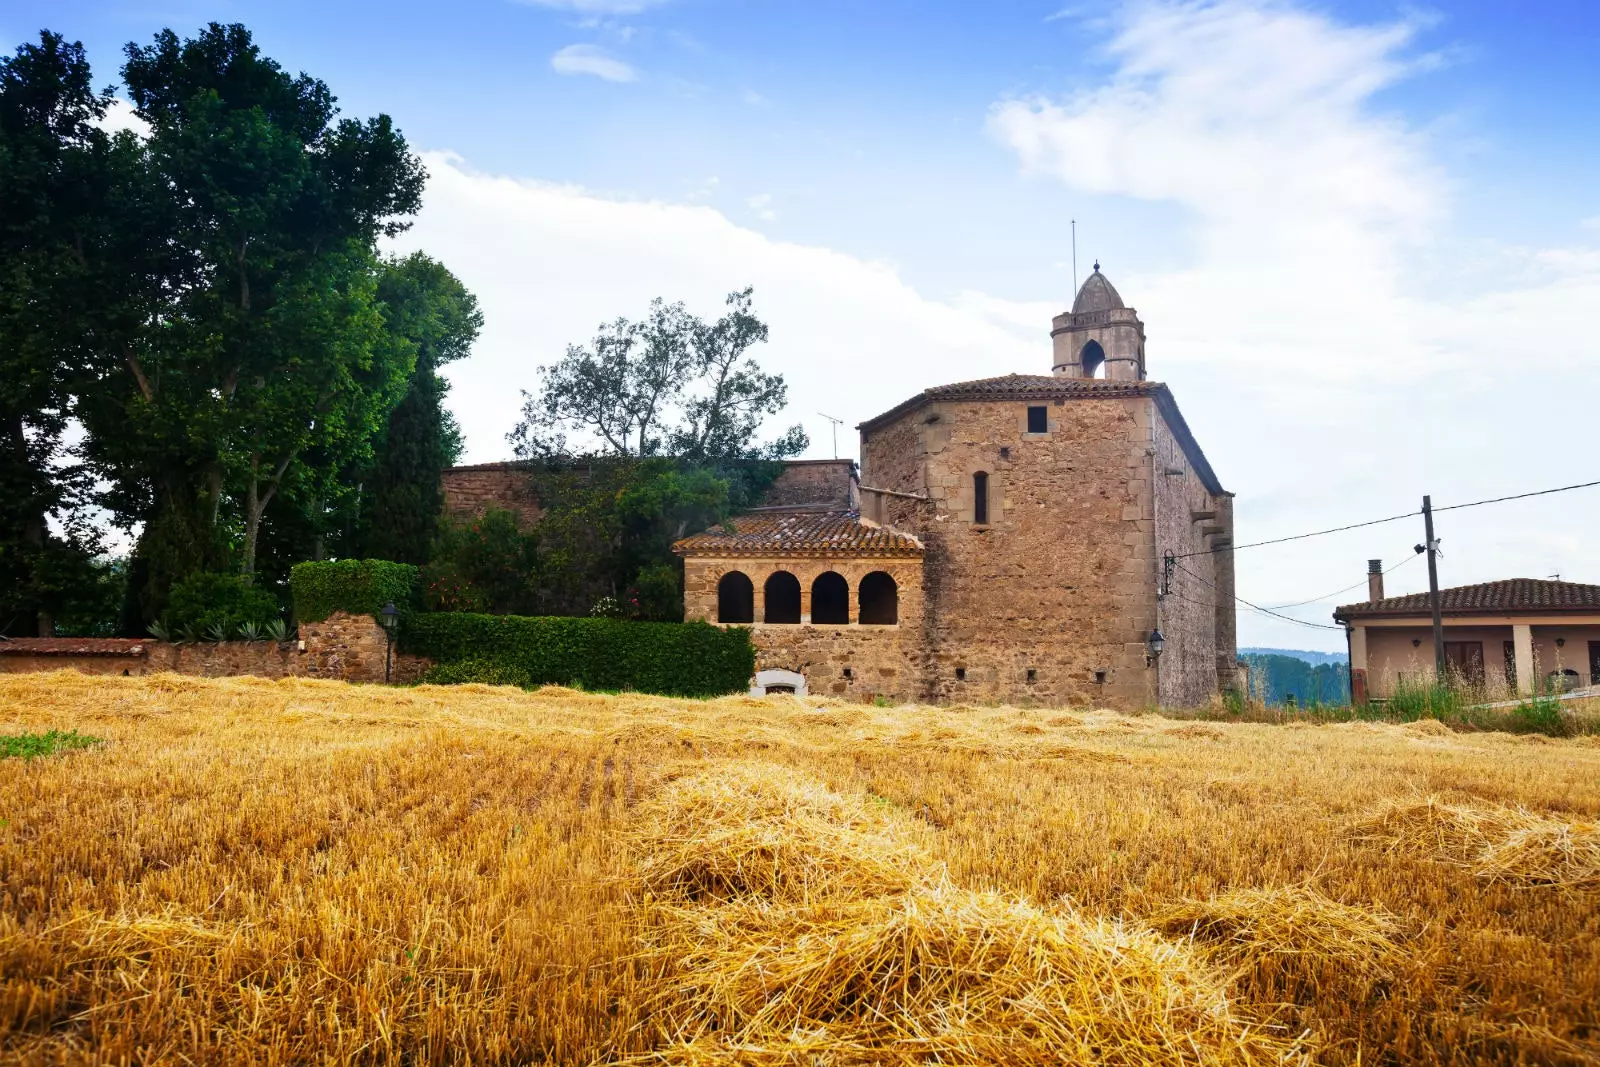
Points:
[(1346, 589), (1391, 518), (1253, 606)]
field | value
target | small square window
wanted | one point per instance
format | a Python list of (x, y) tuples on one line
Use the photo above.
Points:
[(1100, 677), (961, 674), (848, 673), (1033, 675), (1005, 452), (1039, 420)]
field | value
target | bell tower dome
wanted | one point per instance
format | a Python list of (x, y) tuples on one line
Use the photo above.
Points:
[(1100, 337)]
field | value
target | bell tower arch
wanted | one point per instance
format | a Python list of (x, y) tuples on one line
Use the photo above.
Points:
[(1100, 336)]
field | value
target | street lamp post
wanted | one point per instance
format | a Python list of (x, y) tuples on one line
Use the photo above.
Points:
[(387, 618)]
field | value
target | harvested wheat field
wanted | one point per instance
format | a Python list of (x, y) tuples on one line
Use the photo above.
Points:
[(248, 871)]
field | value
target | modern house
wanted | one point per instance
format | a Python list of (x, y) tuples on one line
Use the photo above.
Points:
[(1517, 636)]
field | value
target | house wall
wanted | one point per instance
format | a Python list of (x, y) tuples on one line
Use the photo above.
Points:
[(1391, 654), (1061, 580), (882, 660), (1186, 524)]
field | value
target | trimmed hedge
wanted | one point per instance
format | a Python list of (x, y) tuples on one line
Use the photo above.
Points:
[(690, 659), (359, 586)]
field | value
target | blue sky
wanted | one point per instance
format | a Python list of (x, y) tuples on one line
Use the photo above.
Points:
[(1365, 237)]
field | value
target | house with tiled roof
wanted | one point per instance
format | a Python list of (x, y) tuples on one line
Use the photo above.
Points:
[(1045, 539), (1515, 636)]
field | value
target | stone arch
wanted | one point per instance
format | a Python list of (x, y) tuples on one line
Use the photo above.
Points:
[(778, 681), (1092, 360), (880, 600), (980, 497), (781, 598), (830, 598), (736, 598)]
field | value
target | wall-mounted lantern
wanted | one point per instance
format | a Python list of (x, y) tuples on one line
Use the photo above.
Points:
[(1154, 646)]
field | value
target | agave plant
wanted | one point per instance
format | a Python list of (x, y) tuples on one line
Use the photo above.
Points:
[(186, 634), (250, 631), (160, 632), (276, 630), (217, 631)]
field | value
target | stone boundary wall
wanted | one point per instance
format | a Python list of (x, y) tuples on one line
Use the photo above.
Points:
[(348, 648)]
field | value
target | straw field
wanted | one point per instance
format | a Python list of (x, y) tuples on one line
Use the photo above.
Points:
[(246, 871)]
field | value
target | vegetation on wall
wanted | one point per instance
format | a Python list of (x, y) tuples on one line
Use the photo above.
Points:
[(692, 659), (356, 586)]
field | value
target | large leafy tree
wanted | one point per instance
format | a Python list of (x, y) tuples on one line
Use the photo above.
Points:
[(427, 308), (59, 174), (268, 367), (668, 384)]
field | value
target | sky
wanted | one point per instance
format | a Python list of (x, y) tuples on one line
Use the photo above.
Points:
[(1364, 237)]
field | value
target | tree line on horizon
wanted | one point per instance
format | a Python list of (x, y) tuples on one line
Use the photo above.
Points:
[(203, 344)]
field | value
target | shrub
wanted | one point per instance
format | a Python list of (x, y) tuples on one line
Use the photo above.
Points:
[(216, 605), (485, 671), (358, 586), (690, 659)]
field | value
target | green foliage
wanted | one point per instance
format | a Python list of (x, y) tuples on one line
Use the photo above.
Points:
[(482, 671), (1276, 678), (357, 586), (657, 593), (669, 384), (692, 659), (216, 605), (1413, 699), (49, 743), (485, 564)]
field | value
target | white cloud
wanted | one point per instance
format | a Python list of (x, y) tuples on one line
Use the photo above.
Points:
[(120, 116), (761, 204), (550, 263), (589, 59), (1330, 376)]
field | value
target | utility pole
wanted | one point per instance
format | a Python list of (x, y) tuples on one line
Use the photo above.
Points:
[(1433, 588), (836, 424)]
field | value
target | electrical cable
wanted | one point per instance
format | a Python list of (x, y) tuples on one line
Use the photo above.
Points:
[(1348, 588)]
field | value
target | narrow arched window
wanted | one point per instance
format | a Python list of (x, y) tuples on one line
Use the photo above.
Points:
[(1092, 360), (736, 598), (830, 599), (980, 497), (782, 598), (880, 600)]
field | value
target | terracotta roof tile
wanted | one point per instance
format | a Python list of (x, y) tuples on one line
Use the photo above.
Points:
[(799, 533), (73, 646), (1497, 598)]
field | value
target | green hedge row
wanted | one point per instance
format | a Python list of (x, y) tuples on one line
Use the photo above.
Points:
[(691, 659), (359, 586)]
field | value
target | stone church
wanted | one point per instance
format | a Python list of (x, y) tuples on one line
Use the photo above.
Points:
[(1040, 539)]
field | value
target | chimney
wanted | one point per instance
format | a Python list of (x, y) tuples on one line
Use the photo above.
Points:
[(1374, 580)]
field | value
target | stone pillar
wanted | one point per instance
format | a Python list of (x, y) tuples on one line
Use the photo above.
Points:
[(1522, 639), (805, 600), (1358, 665)]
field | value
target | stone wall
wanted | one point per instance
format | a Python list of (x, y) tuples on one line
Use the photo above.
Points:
[(469, 491), (1050, 601), (344, 647), (814, 482), (847, 660), (1186, 522)]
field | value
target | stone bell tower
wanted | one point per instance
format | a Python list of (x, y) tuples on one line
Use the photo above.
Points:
[(1099, 337)]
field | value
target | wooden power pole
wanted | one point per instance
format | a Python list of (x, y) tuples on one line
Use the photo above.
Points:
[(1433, 589)]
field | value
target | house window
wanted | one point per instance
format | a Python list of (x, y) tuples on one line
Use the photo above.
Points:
[(830, 598), (736, 598), (880, 600), (782, 596), (980, 498), (1039, 420)]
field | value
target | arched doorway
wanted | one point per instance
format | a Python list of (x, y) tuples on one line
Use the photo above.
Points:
[(781, 598), (880, 600), (736, 598), (830, 599)]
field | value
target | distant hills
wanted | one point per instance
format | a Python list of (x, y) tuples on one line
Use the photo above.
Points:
[(1280, 676), (1313, 658)]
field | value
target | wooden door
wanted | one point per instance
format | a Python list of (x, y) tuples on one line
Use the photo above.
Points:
[(1464, 661), (1594, 662)]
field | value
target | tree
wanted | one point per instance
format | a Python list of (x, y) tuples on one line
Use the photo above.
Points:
[(54, 164), (430, 310), (668, 384), (268, 364)]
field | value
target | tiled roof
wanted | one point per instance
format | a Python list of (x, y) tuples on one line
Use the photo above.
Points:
[(72, 646), (799, 533), (1051, 387), (1488, 598)]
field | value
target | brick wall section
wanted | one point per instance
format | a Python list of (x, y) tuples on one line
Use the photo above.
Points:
[(1061, 579), (882, 660), (469, 491), (1186, 520), (344, 647), (829, 482)]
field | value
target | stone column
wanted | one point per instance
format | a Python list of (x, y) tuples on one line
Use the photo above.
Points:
[(1359, 692), (1522, 639)]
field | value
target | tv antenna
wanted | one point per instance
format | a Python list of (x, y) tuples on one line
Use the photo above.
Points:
[(836, 424), (1074, 259)]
